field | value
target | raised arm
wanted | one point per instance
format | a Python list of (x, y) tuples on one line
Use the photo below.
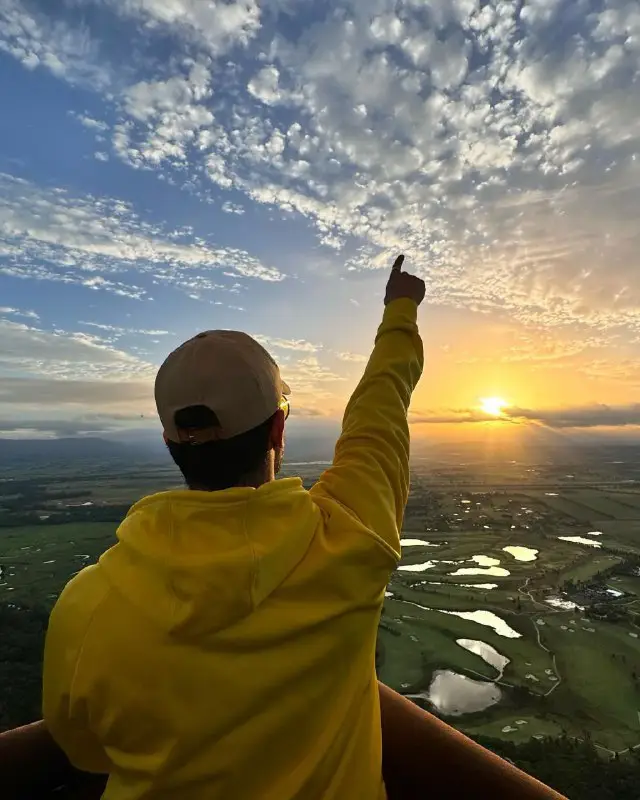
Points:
[(370, 471)]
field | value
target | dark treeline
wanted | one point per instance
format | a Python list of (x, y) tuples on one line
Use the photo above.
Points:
[(574, 768)]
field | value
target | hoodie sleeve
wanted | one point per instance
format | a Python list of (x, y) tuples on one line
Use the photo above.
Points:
[(370, 472), (65, 713)]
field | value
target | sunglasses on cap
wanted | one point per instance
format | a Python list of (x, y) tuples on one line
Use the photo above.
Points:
[(285, 405)]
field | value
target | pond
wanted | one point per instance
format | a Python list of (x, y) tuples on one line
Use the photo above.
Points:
[(486, 653), (487, 618), (478, 585), (580, 540), (522, 553), (486, 561), (496, 572), (417, 567), (565, 605), (455, 694), (416, 543)]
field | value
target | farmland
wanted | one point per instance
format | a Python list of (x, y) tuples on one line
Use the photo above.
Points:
[(537, 639)]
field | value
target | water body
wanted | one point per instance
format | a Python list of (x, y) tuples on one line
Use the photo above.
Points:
[(478, 585), (579, 540), (565, 605), (486, 653), (486, 561), (455, 694), (309, 463), (418, 567), (496, 572), (487, 618), (594, 533), (522, 553), (416, 543)]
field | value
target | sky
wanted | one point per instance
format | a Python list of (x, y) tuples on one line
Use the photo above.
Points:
[(170, 166)]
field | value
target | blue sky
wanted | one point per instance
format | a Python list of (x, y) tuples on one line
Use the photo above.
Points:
[(168, 166)]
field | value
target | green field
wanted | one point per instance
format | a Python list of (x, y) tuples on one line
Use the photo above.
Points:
[(564, 673), (37, 561), (578, 677)]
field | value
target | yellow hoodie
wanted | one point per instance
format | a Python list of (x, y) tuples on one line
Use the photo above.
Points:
[(225, 646)]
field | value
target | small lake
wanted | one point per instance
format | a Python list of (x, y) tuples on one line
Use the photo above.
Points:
[(521, 553), (496, 572), (486, 561), (455, 694), (487, 618), (418, 567), (416, 543), (486, 653), (580, 540), (478, 585), (559, 602)]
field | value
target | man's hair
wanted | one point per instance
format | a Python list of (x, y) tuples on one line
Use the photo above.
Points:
[(223, 463)]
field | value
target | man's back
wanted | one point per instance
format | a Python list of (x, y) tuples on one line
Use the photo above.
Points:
[(225, 646)]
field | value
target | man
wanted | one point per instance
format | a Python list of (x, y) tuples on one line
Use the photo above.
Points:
[(225, 647)]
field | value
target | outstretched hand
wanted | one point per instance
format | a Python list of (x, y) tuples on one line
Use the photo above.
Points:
[(402, 284)]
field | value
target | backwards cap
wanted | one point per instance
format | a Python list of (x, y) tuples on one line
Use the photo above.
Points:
[(229, 373)]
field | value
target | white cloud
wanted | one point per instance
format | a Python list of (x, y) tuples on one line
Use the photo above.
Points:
[(232, 208), (89, 122), (119, 331), (216, 24), (264, 85), (595, 416), (493, 143), (355, 358), (69, 378), (312, 383), (16, 312), (287, 344), (27, 350), (38, 40), (49, 234)]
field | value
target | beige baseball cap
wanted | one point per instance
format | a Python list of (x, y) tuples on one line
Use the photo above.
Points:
[(230, 373)]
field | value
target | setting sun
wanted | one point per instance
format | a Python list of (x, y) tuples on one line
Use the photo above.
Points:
[(493, 406)]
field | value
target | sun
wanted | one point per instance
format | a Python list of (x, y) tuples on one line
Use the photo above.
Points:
[(493, 406)]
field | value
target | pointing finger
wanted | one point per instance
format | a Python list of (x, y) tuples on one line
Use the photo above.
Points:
[(397, 264)]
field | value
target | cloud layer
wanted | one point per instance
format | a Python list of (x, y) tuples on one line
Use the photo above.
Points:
[(47, 234), (597, 416), (495, 143)]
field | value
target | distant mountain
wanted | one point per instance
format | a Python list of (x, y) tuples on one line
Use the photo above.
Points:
[(141, 446), (43, 450)]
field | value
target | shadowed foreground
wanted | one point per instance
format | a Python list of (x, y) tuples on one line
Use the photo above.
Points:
[(422, 757)]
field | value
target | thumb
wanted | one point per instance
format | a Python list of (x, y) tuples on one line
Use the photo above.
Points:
[(397, 264)]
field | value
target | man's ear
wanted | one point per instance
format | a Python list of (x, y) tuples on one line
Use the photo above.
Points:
[(276, 439)]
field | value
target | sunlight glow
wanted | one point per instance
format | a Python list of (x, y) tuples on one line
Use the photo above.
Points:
[(493, 406)]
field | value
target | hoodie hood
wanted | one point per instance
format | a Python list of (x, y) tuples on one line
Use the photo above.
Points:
[(197, 562)]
